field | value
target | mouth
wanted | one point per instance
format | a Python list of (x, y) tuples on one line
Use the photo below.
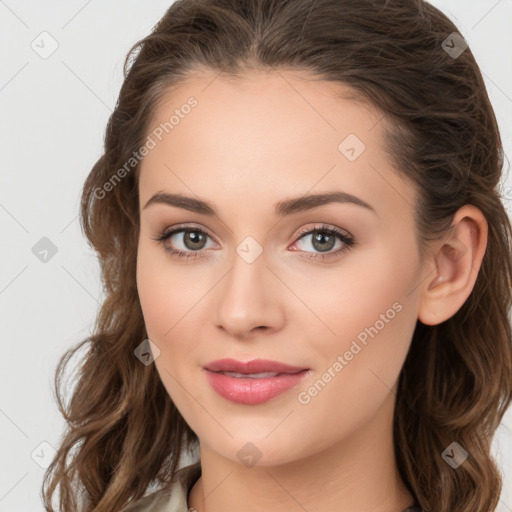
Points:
[(252, 382)]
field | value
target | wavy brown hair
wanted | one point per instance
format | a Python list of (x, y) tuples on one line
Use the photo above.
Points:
[(124, 434)]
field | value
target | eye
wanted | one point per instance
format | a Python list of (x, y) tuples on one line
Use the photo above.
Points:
[(192, 239), (323, 239)]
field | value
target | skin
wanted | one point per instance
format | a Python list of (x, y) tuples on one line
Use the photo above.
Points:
[(248, 144)]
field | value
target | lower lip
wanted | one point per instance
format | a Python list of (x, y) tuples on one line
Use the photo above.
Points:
[(253, 391)]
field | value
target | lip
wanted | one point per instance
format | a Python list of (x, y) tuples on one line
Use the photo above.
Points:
[(252, 391), (254, 366)]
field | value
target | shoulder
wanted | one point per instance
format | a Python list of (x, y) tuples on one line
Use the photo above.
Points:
[(171, 499)]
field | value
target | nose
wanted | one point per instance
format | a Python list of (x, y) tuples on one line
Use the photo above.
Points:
[(249, 298)]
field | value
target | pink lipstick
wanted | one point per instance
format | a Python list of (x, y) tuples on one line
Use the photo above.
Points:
[(252, 382)]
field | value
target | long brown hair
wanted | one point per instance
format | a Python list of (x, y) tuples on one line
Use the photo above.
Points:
[(124, 432)]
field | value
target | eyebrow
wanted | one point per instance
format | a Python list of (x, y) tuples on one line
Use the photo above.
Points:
[(282, 208)]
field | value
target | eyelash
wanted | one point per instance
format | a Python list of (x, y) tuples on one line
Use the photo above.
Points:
[(348, 241)]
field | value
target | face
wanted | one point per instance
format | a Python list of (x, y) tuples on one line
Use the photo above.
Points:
[(325, 286)]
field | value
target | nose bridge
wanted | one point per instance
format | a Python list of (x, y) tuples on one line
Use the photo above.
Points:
[(245, 281), (246, 299)]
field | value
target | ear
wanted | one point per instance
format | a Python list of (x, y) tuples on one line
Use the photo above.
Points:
[(456, 261)]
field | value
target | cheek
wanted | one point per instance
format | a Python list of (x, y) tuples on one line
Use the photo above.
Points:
[(371, 314), (166, 292), (366, 290), (163, 305), (360, 365), (169, 296)]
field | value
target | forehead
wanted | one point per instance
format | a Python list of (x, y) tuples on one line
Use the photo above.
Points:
[(265, 134), (293, 104)]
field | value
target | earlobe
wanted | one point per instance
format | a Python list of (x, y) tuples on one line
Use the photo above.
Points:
[(456, 259)]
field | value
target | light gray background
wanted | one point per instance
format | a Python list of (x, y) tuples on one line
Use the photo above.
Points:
[(53, 114)]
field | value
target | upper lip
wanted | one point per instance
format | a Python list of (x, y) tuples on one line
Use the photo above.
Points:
[(254, 366)]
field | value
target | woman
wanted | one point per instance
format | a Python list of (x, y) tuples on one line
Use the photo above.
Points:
[(307, 267)]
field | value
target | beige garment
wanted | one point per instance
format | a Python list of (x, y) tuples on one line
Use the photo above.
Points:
[(173, 499)]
